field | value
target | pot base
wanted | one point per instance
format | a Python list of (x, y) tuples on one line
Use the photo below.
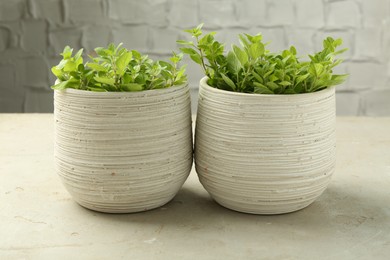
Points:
[(263, 210), (121, 209)]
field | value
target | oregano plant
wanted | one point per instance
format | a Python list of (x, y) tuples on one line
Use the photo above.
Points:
[(117, 69), (251, 68)]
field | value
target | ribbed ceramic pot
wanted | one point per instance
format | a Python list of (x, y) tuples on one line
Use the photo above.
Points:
[(265, 154), (122, 152)]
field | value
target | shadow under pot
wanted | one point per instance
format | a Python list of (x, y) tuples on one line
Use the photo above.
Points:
[(265, 154), (122, 152)]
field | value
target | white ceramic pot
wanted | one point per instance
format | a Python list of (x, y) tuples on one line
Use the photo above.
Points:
[(122, 152), (265, 154)]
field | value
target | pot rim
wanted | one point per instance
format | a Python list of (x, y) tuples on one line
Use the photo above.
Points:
[(124, 93), (203, 83)]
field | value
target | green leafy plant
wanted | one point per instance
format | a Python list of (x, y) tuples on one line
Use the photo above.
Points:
[(117, 69), (251, 68)]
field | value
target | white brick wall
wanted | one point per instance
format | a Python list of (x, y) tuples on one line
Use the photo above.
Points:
[(343, 14), (33, 32)]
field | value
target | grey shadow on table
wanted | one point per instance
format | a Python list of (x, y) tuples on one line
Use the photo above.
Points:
[(195, 209)]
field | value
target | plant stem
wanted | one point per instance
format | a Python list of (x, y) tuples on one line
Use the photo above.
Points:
[(313, 84), (250, 67), (114, 69), (201, 57), (151, 81), (174, 74)]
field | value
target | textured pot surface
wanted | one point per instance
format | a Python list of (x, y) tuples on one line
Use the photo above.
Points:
[(265, 154), (123, 152)]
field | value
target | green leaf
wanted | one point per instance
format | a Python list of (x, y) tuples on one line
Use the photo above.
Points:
[(313, 58), (293, 50), (111, 48), (136, 55), (176, 57), (57, 72), (122, 62), (195, 32), (338, 79), (67, 53), (290, 91), (273, 78), (78, 55), (108, 81), (127, 78), (256, 50), (117, 47), (286, 58), (167, 75), (165, 64), (241, 55), (285, 83), (254, 39), (181, 72), (229, 82), (316, 69), (75, 74), (196, 58), (335, 63), (95, 89), (258, 77), (233, 63), (272, 85), (340, 51), (132, 87), (199, 27), (70, 66), (189, 51), (157, 84), (337, 42), (243, 41), (60, 86), (261, 89), (319, 69), (101, 51), (61, 65), (198, 30), (207, 39), (302, 78), (184, 42), (81, 68), (267, 73), (97, 67)]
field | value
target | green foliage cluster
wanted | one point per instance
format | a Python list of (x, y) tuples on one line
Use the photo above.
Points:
[(253, 69), (117, 69)]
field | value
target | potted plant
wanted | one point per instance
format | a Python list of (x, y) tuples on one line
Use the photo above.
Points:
[(265, 126), (123, 137)]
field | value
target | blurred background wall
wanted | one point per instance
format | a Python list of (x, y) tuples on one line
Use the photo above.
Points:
[(34, 32)]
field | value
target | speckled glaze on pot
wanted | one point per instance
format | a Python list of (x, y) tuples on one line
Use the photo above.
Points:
[(122, 152), (265, 154)]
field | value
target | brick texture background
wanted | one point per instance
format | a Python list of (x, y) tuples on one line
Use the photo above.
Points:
[(33, 32)]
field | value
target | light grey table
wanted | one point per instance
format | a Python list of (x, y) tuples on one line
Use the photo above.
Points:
[(39, 220)]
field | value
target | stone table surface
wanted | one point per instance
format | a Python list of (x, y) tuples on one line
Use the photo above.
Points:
[(39, 219)]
